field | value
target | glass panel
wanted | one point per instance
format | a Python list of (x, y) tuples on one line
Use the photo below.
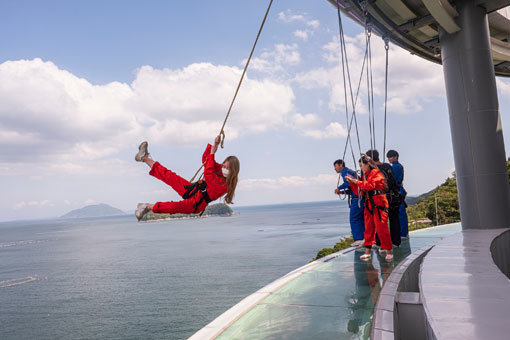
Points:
[(334, 300)]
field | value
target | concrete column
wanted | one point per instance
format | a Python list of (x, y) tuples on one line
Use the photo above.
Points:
[(477, 136)]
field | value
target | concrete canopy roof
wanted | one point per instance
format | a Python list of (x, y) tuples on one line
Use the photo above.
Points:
[(414, 25)]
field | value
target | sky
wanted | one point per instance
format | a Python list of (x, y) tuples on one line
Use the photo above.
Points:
[(82, 83)]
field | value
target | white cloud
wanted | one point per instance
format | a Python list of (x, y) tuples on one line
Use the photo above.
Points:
[(313, 24), (285, 182), (411, 81), (51, 117), (288, 17), (90, 201), (309, 125), (302, 34), (277, 59), (503, 86), (306, 121), (33, 204), (333, 130)]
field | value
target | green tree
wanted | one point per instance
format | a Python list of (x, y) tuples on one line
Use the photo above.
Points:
[(447, 203)]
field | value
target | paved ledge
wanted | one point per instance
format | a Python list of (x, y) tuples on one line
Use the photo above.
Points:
[(464, 294)]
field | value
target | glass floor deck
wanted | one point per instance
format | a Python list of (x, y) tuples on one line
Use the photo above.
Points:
[(335, 300)]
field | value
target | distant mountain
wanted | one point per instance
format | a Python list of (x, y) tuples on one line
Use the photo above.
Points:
[(412, 200), (96, 210)]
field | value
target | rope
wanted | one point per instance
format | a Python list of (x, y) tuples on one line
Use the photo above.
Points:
[(348, 140), (356, 100), (222, 131), (345, 65), (386, 47), (371, 126), (371, 89)]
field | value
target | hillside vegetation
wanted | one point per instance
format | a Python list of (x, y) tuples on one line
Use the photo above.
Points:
[(447, 203)]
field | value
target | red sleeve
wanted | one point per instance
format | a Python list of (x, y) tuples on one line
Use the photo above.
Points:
[(210, 164), (372, 181), (207, 153)]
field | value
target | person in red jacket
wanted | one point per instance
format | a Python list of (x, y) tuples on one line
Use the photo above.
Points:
[(219, 179), (373, 188)]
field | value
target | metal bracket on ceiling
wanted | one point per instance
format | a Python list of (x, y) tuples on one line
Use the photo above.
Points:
[(416, 23)]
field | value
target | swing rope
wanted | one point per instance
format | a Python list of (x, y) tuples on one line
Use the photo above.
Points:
[(222, 131), (345, 67), (386, 47), (371, 126), (370, 90)]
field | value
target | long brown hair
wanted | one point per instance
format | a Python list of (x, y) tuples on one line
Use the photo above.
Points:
[(231, 181)]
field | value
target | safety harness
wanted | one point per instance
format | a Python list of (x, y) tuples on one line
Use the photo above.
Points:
[(193, 188), (370, 195)]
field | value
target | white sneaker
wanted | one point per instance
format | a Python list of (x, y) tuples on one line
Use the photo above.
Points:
[(365, 257), (141, 210), (142, 152), (389, 257), (382, 252)]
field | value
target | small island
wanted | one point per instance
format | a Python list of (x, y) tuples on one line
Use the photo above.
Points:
[(218, 209), (95, 210)]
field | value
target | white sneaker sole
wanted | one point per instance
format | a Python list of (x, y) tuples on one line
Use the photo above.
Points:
[(142, 152), (141, 210)]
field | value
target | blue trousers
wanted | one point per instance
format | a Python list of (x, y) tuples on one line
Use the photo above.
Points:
[(402, 216), (356, 219)]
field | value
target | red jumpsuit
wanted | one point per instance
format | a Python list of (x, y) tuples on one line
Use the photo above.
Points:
[(375, 219), (216, 186)]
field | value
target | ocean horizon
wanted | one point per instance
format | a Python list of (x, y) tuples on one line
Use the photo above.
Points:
[(118, 279)]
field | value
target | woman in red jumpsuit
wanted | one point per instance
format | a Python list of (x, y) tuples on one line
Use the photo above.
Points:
[(220, 179), (376, 208)]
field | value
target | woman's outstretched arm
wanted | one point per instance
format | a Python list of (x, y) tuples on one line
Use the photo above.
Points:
[(216, 143)]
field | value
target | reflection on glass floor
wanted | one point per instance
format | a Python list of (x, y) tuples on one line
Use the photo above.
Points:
[(332, 301)]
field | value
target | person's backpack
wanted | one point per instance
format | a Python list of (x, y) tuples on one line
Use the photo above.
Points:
[(393, 189)]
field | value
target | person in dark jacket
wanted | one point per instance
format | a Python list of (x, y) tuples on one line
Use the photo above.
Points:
[(398, 172), (393, 196)]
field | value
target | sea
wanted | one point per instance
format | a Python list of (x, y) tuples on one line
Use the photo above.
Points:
[(116, 278)]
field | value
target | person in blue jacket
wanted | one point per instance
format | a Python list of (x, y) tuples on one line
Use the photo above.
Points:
[(398, 172), (356, 217)]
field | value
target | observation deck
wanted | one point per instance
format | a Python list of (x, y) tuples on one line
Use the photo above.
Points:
[(331, 298), (414, 25)]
